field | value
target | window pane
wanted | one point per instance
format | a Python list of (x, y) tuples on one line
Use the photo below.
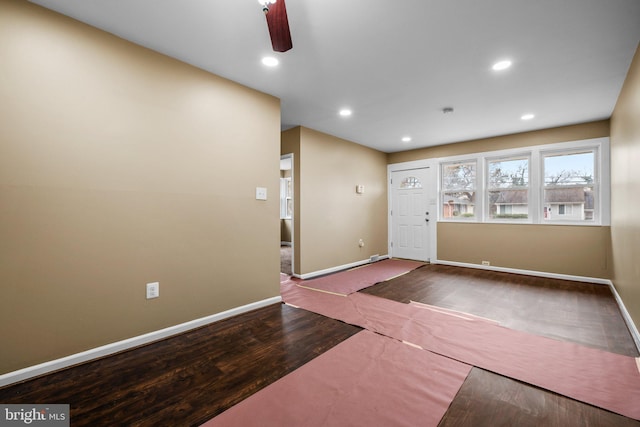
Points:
[(509, 204), (509, 173), (285, 198), (283, 195), (460, 176), (508, 195), (289, 208), (569, 169), (411, 182), (569, 192), (458, 204)]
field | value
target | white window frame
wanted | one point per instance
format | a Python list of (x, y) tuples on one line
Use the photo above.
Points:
[(478, 202), (598, 188), (487, 189), (602, 214), (285, 197)]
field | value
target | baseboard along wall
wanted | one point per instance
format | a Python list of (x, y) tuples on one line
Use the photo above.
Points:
[(339, 268), (627, 317), (106, 350), (633, 330)]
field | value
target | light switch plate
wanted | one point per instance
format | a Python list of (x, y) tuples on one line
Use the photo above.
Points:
[(261, 193)]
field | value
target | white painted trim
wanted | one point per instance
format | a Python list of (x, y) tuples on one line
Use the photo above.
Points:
[(338, 268), (413, 164), (595, 280), (116, 347), (633, 330), (283, 243), (293, 215), (601, 145), (432, 165)]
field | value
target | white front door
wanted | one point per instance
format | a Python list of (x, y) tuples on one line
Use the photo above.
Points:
[(410, 215)]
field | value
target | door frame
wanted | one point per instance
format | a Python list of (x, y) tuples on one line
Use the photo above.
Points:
[(433, 202), (291, 158)]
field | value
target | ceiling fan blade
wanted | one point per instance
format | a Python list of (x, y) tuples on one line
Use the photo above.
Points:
[(279, 27)]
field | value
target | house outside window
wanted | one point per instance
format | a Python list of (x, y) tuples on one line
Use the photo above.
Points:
[(570, 184), (561, 183), (508, 189), (458, 190)]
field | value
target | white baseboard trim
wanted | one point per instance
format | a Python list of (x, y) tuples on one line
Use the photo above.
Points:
[(116, 347), (283, 243), (633, 330), (526, 272), (338, 268)]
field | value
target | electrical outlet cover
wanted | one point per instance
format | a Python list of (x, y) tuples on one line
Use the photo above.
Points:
[(153, 290)]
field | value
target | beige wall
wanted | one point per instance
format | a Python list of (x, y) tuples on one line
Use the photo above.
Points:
[(625, 191), (118, 167), (286, 227), (578, 251), (526, 139), (330, 217), (574, 250)]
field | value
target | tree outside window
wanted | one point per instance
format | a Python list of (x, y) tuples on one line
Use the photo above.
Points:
[(508, 188), (569, 186), (458, 190)]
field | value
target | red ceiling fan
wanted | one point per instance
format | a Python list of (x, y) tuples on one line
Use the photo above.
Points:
[(276, 13)]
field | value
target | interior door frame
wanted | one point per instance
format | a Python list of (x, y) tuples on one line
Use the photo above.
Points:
[(290, 156), (432, 203)]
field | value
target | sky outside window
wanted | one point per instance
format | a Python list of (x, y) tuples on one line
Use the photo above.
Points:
[(569, 169)]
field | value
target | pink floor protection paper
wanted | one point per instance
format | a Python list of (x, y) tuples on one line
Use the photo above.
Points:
[(367, 380), (349, 281), (607, 380)]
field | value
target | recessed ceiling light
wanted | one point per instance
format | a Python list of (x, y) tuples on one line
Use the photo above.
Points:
[(527, 116), (270, 61), (345, 112), (501, 65), (406, 139)]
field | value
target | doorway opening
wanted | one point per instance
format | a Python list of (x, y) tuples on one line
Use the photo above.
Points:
[(286, 216)]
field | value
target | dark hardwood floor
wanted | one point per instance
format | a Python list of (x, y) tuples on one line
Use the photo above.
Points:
[(188, 379), (487, 399), (572, 311), (583, 313)]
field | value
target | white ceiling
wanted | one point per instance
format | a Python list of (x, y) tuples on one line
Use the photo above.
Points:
[(397, 64)]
